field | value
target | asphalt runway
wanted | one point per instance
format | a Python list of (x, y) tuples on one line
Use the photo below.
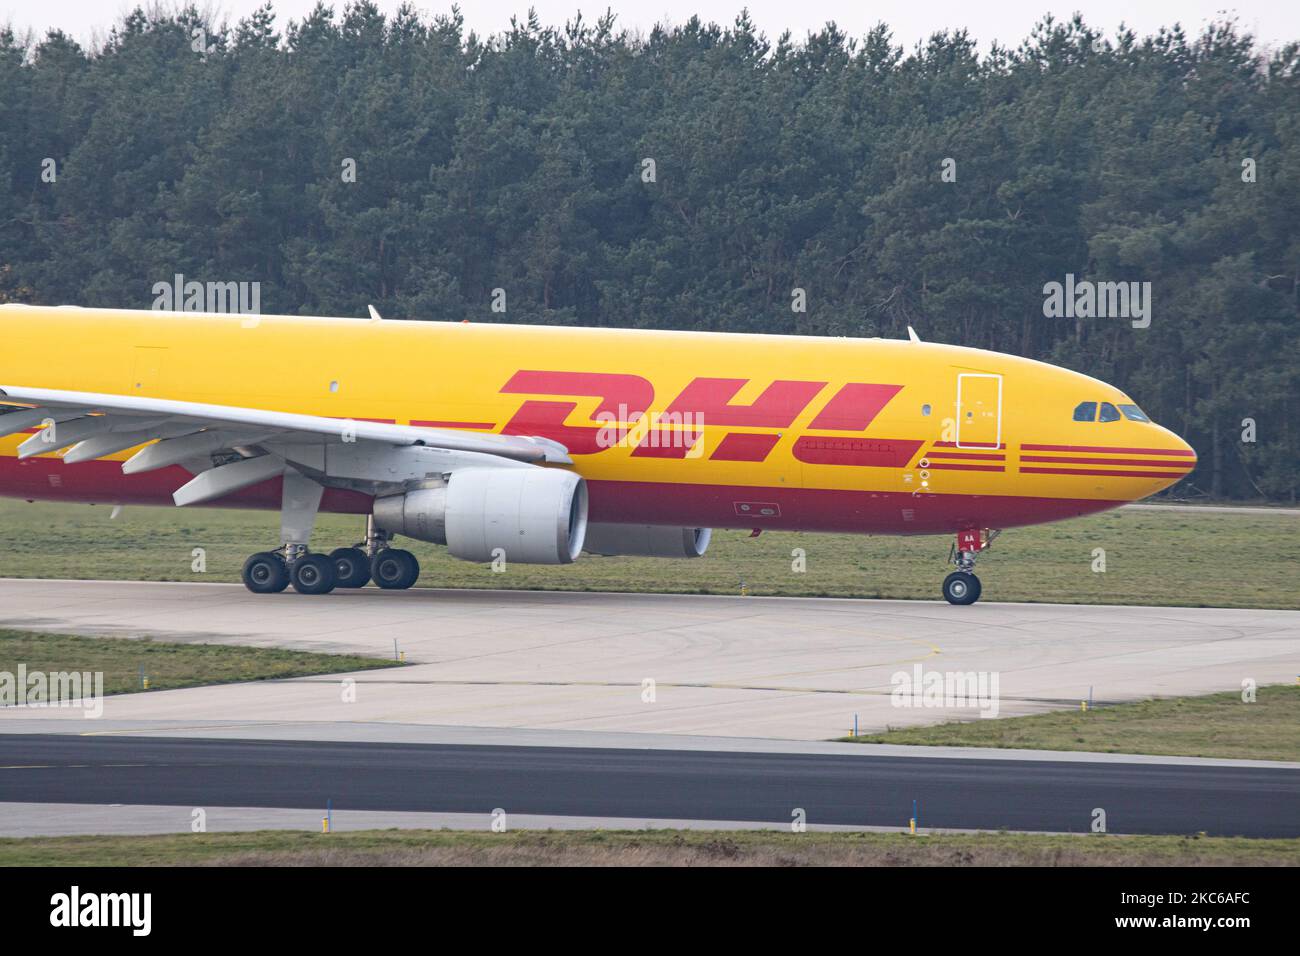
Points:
[(866, 790), (789, 668)]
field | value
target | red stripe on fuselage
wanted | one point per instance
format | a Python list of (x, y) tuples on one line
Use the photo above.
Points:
[(953, 454), (1106, 449), (825, 509), (671, 503), (1064, 459), (1106, 473)]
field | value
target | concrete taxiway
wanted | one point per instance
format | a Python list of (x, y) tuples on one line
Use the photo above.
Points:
[(669, 664)]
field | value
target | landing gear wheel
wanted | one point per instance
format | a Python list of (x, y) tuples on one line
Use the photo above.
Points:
[(961, 587), (351, 567), (312, 574), (265, 573), (394, 569)]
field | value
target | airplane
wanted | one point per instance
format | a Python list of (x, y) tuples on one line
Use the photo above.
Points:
[(534, 444)]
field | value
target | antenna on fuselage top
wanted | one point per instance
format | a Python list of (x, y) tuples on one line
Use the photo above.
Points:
[(911, 335), (374, 314)]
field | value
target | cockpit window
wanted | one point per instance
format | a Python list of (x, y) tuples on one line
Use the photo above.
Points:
[(1109, 413), (1085, 412), (1133, 413)]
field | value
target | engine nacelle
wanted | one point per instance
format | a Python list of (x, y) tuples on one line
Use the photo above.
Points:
[(534, 515), (647, 540)]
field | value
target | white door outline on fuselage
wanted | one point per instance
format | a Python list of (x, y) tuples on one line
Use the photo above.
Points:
[(961, 418)]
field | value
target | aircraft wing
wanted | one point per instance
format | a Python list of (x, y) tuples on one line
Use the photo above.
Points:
[(232, 447)]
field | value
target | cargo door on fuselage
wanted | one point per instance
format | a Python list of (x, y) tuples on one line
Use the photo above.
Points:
[(979, 410)]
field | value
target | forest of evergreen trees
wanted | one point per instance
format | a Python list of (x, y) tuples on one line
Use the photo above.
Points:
[(940, 187)]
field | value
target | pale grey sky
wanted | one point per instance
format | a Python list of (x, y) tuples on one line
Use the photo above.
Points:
[(1273, 21)]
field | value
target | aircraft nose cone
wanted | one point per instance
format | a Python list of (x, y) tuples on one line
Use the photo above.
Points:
[(1180, 454)]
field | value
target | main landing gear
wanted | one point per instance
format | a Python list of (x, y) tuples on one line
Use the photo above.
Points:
[(962, 587), (269, 572)]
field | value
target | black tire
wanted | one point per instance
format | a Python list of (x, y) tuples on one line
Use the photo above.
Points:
[(312, 574), (394, 569), (351, 568), (961, 587), (265, 573)]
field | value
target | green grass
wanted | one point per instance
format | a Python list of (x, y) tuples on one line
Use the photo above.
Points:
[(1152, 557), (1215, 725), (641, 848), (168, 666)]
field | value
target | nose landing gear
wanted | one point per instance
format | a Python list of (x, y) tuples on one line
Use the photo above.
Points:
[(962, 586)]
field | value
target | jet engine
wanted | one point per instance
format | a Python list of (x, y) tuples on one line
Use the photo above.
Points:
[(533, 515), (647, 540)]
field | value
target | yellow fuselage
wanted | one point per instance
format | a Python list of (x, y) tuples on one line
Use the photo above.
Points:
[(675, 428)]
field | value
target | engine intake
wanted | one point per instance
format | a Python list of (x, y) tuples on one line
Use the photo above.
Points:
[(647, 540), (534, 515)]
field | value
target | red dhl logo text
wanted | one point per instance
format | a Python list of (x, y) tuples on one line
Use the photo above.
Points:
[(624, 410)]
